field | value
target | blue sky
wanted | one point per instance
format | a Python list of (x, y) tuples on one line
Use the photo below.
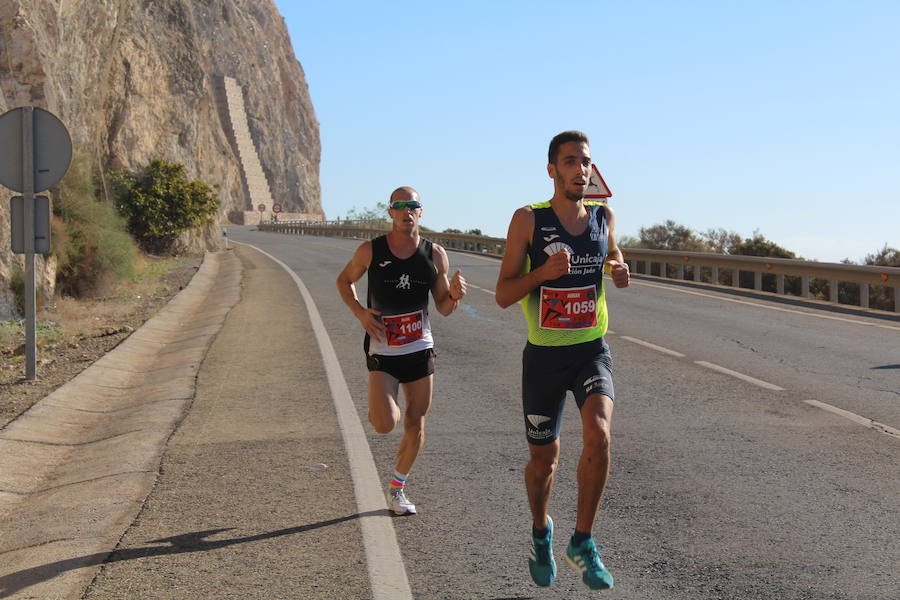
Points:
[(776, 116)]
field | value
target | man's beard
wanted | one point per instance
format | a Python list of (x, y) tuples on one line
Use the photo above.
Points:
[(573, 196)]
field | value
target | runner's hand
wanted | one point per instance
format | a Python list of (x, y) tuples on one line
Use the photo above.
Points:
[(457, 286), (556, 266), (368, 318), (619, 272)]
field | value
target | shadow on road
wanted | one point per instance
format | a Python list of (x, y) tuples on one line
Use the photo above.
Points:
[(177, 544), (886, 367)]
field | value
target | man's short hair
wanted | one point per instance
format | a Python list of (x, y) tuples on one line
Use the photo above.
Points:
[(561, 138), (403, 188)]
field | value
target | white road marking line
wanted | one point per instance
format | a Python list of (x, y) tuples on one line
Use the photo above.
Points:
[(741, 376), (472, 285), (653, 346), (387, 572), (856, 418), (778, 308)]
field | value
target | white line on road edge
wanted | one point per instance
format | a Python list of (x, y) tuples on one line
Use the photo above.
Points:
[(856, 418), (758, 305), (741, 376), (472, 285), (386, 570), (652, 346)]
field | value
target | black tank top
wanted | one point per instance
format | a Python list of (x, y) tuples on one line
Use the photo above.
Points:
[(400, 286)]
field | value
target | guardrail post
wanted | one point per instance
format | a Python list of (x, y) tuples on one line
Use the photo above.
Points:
[(662, 269), (757, 280), (833, 290), (697, 273), (897, 299), (779, 283), (736, 278), (715, 275), (680, 272), (804, 286), (864, 295)]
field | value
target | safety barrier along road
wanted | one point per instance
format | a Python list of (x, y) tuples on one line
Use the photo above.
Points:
[(801, 278)]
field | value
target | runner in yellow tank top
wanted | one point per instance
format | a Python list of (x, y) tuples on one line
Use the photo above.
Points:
[(555, 255)]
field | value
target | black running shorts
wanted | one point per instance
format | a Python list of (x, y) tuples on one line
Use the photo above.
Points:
[(404, 367), (548, 372)]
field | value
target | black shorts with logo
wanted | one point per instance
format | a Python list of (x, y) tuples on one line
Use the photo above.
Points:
[(405, 368), (548, 372)]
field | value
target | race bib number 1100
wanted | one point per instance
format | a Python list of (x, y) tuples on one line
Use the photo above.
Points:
[(568, 308), (403, 329)]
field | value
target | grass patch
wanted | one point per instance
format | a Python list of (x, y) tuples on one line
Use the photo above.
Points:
[(153, 268), (12, 334)]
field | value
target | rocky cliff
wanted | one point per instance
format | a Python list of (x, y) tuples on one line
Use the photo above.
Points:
[(139, 79)]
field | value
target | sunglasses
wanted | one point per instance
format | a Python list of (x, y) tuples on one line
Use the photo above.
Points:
[(411, 204)]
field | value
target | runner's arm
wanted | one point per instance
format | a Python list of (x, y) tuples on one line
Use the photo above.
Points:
[(616, 267), (512, 284), (446, 292), (355, 269)]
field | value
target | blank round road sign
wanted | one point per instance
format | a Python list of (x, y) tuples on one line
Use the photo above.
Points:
[(52, 149)]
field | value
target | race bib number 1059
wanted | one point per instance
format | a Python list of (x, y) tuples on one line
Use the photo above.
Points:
[(403, 329), (568, 308)]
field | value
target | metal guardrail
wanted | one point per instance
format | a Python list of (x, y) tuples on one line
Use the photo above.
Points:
[(371, 229), (805, 279)]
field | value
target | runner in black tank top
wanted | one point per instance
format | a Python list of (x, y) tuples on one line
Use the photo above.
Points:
[(555, 253), (403, 269)]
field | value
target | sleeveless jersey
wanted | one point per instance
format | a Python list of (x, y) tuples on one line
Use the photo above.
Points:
[(570, 309), (399, 288)]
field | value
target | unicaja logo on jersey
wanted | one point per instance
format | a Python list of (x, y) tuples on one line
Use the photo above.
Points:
[(555, 247), (403, 284)]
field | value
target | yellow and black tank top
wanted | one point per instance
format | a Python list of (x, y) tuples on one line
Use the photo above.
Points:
[(570, 309)]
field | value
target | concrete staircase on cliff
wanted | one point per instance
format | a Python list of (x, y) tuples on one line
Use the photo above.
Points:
[(256, 186)]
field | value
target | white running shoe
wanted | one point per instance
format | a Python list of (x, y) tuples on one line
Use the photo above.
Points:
[(398, 502)]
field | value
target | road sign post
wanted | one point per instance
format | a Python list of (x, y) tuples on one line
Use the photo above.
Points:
[(35, 152), (28, 194)]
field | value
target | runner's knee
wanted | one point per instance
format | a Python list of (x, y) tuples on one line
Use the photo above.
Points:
[(543, 463), (383, 423), (596, 437)]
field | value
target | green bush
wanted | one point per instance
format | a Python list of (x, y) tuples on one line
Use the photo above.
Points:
[(158, 202), (88, 237)]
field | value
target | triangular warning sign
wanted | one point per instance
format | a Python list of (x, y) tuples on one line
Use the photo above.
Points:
[(596, 187)]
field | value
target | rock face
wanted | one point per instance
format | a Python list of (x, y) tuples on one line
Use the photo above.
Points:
[(134, 80)]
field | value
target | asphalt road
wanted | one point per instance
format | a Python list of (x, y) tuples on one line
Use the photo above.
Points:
[(721, 486)]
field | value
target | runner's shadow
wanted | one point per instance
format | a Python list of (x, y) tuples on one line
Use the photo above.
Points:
[(886, 367), (177, 544)]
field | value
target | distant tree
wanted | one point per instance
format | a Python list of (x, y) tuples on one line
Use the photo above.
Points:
[(670, 236), (474, 232), (886, 257), (452, 230), (720, 240), (628, 241), (378, 212), (760, 246)]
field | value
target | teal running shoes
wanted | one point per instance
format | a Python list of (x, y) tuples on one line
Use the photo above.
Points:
[(541, 563)]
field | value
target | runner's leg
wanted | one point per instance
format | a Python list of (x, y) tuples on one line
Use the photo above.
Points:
[(384, 414), (539, 479), (417, 395), (593, 468)]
